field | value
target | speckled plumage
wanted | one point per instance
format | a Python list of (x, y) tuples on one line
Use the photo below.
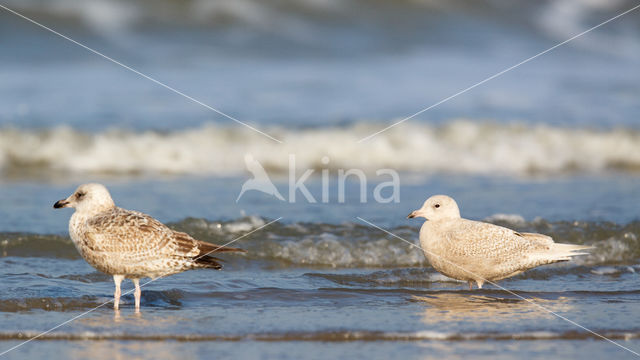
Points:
[(130, 244), (475, 251)]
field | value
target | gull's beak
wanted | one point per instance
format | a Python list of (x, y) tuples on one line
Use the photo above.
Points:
[(61, 203), (416, 214)]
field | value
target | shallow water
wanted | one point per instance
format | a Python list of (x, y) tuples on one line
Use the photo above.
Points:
[(552, 147), (248, 309), (306, 284)]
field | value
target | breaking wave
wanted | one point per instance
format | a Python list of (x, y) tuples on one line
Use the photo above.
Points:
[(349, 245), (301, 20), (462, 146)]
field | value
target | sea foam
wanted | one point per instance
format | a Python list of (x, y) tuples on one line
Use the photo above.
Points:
[(462, 146), (350, 245)]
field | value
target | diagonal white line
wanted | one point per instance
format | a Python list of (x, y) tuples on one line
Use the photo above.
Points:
[(130, 291), (498, 286), (139, 73), (498, 74), (232, 241)]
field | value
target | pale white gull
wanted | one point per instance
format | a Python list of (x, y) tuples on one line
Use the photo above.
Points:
[(130, 244), (475, 251)]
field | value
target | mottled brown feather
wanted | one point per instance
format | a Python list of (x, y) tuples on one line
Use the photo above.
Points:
[(119, 241)]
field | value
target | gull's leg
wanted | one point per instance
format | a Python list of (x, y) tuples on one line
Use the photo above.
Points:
[(117, 279), (480, 283), (470, 284), (137, 293)]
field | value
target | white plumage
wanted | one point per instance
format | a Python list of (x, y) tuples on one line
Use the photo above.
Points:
[(475, 251)]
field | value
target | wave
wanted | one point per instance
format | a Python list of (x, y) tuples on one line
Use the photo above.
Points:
[(462, 146), (351, 245), (351, 288), (330, 336), (558, 19)]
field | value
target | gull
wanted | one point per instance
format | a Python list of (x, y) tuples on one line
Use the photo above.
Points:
[(475, 251), (130, 244)]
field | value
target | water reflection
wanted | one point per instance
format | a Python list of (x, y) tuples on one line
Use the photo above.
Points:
[(127, 350), (498, 309)]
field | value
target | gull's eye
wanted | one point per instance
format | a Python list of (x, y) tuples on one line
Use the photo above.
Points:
[(436, 206), (79, 195)]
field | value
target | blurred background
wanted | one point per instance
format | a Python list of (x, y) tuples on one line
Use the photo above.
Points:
[(552, 146), (316, 63), (318, 75)]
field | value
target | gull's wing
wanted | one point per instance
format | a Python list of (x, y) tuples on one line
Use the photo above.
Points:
[(135, 237), (492, 242), (502, 248)]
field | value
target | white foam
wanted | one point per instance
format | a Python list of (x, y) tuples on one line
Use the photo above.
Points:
[(328, 250), (252, 222), (613, 249), (563, 19), (605, 270), (462, 146), (513, 219)]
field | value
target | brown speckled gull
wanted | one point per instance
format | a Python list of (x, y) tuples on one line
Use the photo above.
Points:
[(475, 251), (130, 244)]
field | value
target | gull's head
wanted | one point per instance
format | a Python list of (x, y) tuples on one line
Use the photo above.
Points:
[(90, 198), (437, 207)]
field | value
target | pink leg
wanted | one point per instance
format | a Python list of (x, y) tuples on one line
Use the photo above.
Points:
[(470, 284), (137, 293), (117, 279)]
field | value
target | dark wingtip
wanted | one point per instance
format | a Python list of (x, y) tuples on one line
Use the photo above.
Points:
[(228, 249), (209, 262)]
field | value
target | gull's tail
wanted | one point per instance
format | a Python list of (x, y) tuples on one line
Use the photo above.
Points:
[(563, 252), (206, 259), (558, 252), (209, 248)]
